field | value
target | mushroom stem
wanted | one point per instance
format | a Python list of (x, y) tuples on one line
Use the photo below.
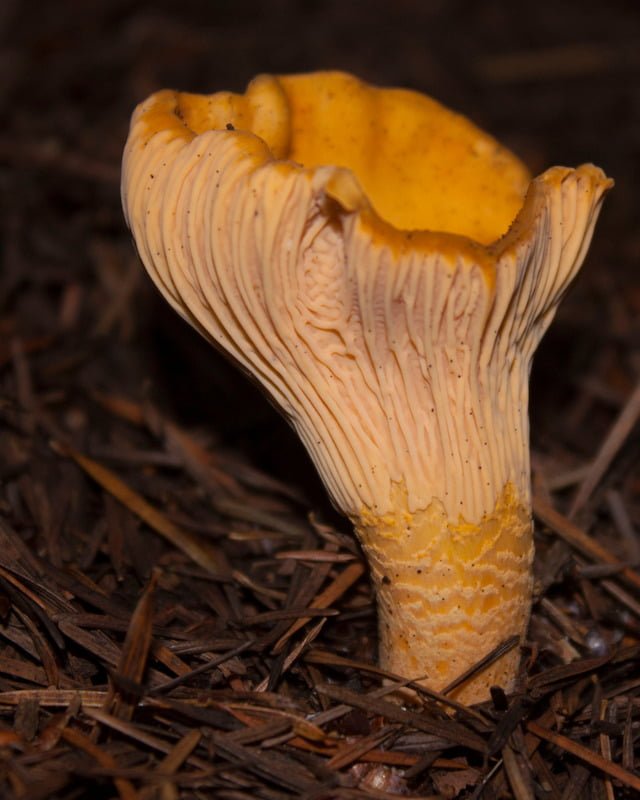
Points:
[(450, 592)]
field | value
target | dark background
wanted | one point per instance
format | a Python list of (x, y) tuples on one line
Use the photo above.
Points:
[(555, 81)]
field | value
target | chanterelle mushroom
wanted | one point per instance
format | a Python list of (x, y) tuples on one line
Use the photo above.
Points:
[(385, 270)]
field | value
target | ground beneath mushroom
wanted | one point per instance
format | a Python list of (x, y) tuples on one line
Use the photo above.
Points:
[(182, 615)]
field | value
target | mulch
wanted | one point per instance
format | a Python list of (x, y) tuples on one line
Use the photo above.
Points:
[(182, 614)]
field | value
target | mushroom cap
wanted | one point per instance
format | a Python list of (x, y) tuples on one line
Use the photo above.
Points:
[(380, 265), (418, 164)]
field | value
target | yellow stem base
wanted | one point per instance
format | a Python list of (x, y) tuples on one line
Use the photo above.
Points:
[(449, 593)]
